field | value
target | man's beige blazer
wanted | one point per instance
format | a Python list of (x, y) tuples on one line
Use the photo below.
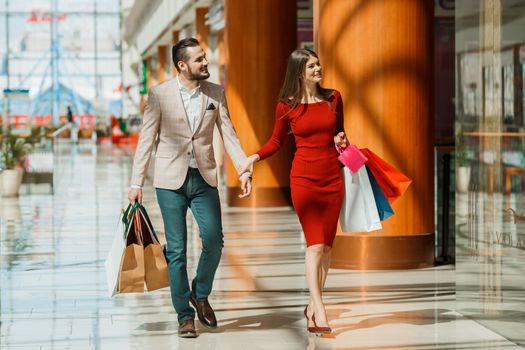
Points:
[(166, 128)]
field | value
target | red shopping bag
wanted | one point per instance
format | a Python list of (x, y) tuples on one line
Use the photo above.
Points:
[(393, 182)]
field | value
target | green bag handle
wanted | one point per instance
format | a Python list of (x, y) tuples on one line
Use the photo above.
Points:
[(127, 216)]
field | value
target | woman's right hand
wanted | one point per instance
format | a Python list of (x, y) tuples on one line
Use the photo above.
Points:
[(248, 165)]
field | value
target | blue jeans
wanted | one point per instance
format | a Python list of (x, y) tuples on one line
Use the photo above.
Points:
[(204, 202)]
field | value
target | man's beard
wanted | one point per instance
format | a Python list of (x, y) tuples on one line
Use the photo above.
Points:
[(199, 75)]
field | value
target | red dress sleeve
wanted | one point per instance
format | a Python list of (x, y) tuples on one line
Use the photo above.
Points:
[(340, 117), (280, 130)]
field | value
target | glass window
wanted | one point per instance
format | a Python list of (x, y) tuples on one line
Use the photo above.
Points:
[(108, 5), (490, 164), (28, 36), (76, 5), (77, 34), (82, 87), (109, 67), (110, 86), (89, 64), (3, 85), (3, 31), (108, 32), (29, 5)]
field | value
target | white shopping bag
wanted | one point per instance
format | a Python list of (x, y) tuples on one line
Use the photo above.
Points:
[(113, 260), (359, 211)]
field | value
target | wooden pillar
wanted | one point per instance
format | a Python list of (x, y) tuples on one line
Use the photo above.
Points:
[(222, 57), (259, 37), (379, 55), (149, 79), (161, 63), (174, 40), (201, 28), (142, 104)]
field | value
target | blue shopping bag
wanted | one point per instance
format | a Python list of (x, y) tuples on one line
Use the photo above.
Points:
[(383, 207)]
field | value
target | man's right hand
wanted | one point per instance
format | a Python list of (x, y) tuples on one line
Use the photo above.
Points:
[(248, 165), (134, 195)]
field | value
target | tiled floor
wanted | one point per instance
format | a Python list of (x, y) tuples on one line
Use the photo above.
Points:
[(53, 291)]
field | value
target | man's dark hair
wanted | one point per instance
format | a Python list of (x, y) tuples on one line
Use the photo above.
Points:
[(179, 52)]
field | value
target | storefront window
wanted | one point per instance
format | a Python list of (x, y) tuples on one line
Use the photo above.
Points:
[(490, 164)]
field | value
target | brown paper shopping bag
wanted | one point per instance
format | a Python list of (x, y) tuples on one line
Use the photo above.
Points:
[(131, 277), (156, 267)]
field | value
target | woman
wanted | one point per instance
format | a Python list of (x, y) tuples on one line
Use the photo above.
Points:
[(315, 116)]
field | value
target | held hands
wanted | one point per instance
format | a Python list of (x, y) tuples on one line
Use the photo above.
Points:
[(246, 175), (248, 166), (246, 185), (135, 195), (341, 140)]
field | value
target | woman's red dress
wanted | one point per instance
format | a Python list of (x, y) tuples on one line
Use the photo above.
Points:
[(316, 179)]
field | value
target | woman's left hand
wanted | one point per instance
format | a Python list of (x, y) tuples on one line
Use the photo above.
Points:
[(341, 140)]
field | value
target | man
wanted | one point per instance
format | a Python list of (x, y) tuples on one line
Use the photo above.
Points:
[(179, 119)]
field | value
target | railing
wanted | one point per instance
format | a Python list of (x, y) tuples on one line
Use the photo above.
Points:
[(61, 129)]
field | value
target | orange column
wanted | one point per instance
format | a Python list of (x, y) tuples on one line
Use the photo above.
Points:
[(259, 36), (174, 40), (201, 28), (149, 67), (379, 55), (222, 57), (161, 63)]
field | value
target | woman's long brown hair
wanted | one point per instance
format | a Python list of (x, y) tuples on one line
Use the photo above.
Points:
[(292, 89)]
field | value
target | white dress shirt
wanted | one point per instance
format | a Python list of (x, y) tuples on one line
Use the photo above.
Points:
[(192, 105)]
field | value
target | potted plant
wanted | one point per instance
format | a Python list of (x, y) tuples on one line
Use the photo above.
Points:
[(13, 152), (463, 169)]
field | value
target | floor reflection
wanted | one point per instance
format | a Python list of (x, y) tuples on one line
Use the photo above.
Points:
[(491, 261), (53, 292)]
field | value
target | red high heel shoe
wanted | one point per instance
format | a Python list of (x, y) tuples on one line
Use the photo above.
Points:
[(316, 329), (306, 315)]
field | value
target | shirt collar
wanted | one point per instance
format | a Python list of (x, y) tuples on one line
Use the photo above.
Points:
[(183, 89)]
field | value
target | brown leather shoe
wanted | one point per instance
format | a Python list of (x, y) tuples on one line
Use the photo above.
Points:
[(204, 311), (187, 329)]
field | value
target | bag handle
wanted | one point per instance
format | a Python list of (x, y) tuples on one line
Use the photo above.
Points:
[(138, 228), (128, 214), (148, 220), (149, 237)]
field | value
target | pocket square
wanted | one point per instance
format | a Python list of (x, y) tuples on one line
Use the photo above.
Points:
[(210, 107)]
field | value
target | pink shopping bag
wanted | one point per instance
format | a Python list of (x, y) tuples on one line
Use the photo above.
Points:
[(351, 157)]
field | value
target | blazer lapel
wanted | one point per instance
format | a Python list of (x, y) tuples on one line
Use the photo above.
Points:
[(204, 101), (179, 105)]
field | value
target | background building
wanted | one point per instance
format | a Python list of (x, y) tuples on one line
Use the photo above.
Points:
[(61, 53)]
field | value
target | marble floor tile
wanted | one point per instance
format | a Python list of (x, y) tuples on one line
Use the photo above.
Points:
[(54, 295)]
